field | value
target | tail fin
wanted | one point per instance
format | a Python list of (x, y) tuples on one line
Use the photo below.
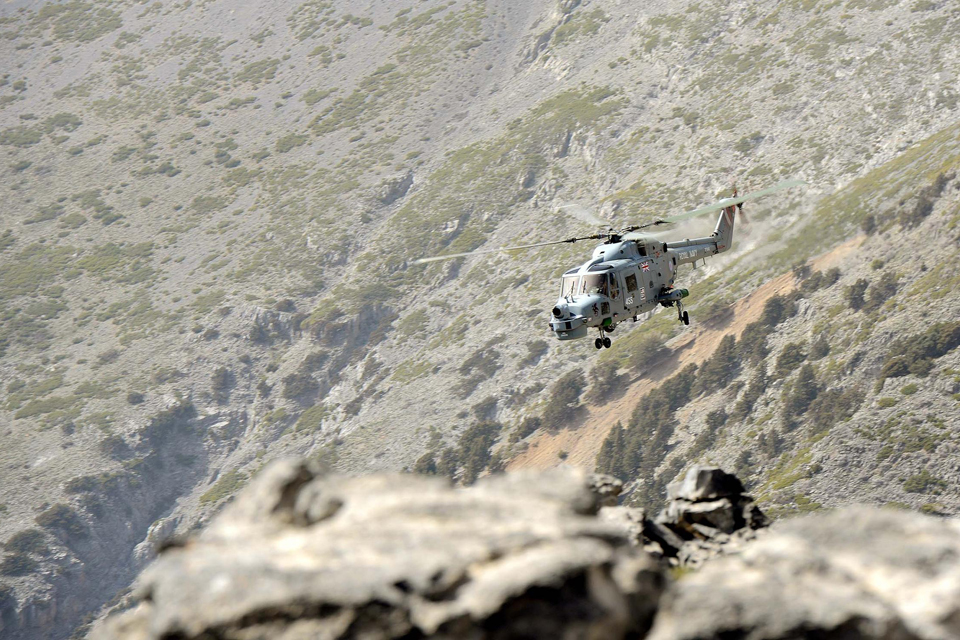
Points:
[(724, 230)]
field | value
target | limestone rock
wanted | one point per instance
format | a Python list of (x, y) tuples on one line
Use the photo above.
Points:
[(707, 514), (856, 573), (299, 554), (393, 190)]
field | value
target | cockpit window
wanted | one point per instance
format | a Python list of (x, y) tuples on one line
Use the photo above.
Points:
[(594, 283), (568, 286)]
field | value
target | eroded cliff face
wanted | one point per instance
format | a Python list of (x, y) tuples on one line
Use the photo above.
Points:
[(540, 555)]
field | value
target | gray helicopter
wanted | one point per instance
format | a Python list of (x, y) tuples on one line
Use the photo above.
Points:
[(632, 272)]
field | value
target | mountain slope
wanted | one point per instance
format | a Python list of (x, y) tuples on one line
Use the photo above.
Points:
[(210, 214)]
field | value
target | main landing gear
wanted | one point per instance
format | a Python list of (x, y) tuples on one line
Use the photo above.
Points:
[(602, 341), (682, 315)]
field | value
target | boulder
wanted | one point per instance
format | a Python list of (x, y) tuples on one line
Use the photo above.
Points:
[(857, 573), (395, 188), (300, 554), (705, 483), (706, 514)]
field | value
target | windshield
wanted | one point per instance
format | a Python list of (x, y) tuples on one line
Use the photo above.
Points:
[(594, 283), (568, 286)]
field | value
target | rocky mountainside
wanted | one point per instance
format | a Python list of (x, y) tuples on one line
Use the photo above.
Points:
[(536, 556), (211, 211)]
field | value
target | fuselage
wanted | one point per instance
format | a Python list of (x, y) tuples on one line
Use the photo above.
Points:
[(621, 280)]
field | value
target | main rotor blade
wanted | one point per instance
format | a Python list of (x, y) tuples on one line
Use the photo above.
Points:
[(502, 249), (726, 202), (583, 214)]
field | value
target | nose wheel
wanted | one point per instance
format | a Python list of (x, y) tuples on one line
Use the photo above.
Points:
[(603, 341)]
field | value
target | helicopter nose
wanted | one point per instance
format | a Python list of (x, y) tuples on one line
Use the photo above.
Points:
[(557, 312)]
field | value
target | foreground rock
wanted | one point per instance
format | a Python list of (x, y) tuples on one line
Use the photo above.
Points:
[(303, 555), (857, 573)]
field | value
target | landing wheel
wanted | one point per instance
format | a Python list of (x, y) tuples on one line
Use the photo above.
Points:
[(607, 342), (598, 343), (686, 318)]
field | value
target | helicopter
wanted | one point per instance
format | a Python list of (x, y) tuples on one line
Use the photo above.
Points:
[(632, 272)]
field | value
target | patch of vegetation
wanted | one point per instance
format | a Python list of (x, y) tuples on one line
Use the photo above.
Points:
[(227, 485), (64, 519), (203, 205), (924, 482), (291, 142), (791, 357), (720, 369), (27, 541), (78, 21), (833, 406), (315, 95), (581, 24), (915, 354), (6, 240), (169, 423), (18, 564), (563, 399), (259, 72), (638, 450), (474, 449), (20, 136), (311, 420)]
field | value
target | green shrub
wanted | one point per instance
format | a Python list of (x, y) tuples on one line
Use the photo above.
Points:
[(924, 482), (915, 354), (312, 419), (18, 564), (791, 357), (886, 403), (27, 541), (564, 397), (299, 385), (220, 382), (62, 518), (259, 71), (720, 368), (227, 484), (176, 420), (853, 294), (6, 240), (833, 406), (290, 142), (604, 382), (526, 427), (313, 96), (753, 342), (803, 392), (536, 349), (79, 21), (474, 449), (820, 348), (426, 465), (881, 291), (114, 446), (20, 137), (909, 389)]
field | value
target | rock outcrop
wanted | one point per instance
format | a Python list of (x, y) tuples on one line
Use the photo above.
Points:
[(853, 573), (299, 554), (706, 514), (524, 555)]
